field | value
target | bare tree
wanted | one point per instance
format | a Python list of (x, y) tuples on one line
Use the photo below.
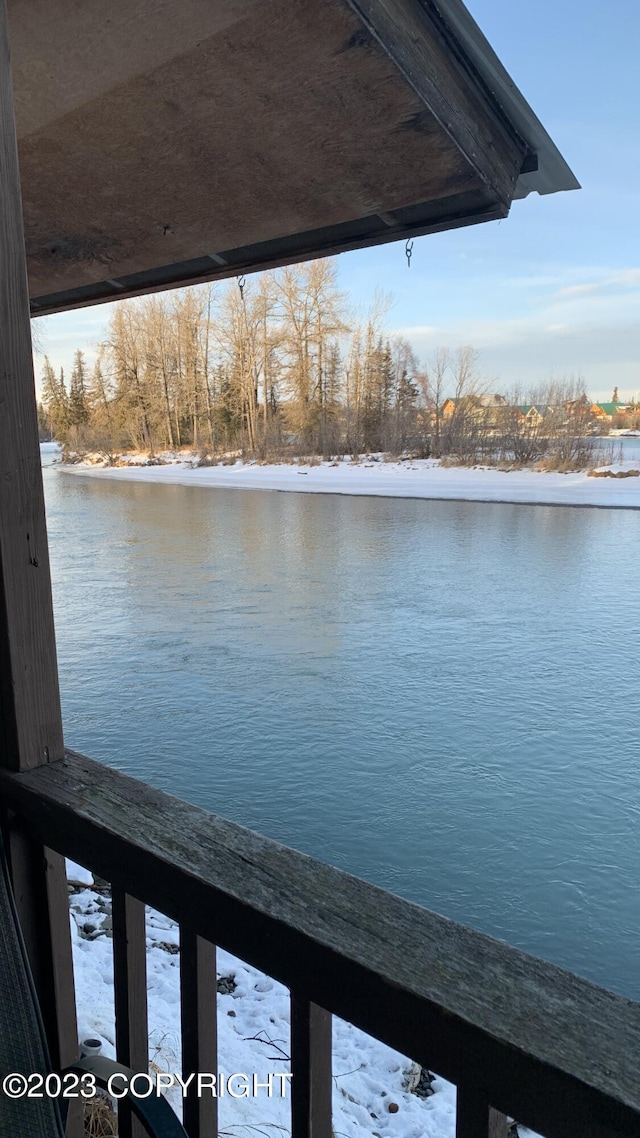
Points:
[(402, 424), (454, 394), (433, 385), (313, 314)]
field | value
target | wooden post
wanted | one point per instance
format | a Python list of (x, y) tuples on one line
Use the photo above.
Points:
[(30, 719)]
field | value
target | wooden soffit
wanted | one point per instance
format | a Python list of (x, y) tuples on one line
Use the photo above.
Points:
[(165, 142)]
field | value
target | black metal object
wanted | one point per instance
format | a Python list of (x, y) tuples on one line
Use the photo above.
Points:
[(155, 1114), (23, 1046)]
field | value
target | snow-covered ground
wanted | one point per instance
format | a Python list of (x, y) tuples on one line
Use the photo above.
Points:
[(421, 478), (371, 1095)]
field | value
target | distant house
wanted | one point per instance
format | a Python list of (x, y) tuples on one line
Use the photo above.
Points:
[(473, 404), (608, 411), (533, 414), (574, 406)]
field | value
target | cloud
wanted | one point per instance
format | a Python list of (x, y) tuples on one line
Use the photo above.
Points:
[(524, 352), (576, 290), (576, 321), (610, 282), (628, 278)]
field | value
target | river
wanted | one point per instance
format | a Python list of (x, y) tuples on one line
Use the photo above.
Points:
[(441, 697)]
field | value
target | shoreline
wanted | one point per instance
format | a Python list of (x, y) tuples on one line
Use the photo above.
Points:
[(424, 479)]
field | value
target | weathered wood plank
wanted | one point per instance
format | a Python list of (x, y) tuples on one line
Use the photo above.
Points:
[(30, 722), (42, 901), (198, 1014), (130, 990), (475, 1118), (548, 1048), (312, 1083)]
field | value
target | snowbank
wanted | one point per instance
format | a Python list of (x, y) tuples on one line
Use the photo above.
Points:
[(411, 479)]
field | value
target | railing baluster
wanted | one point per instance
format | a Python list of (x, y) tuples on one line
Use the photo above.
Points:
[(198, 1011), (130, 984), (475, 1118), (312, 1082)]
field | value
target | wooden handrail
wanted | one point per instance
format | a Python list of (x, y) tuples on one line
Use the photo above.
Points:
[(514, 1033)]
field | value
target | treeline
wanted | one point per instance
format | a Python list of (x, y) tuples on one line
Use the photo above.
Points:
[(278, 364), (261, 365)]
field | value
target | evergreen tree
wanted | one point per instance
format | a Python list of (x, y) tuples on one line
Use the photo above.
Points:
[(44, 433), (54, 401), (78, 410)]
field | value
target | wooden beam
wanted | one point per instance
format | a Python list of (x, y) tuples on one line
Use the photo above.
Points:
[(469, 1007), (454, 211), (30, 721)]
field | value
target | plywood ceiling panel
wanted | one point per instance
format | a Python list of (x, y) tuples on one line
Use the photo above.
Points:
[(161, 132)]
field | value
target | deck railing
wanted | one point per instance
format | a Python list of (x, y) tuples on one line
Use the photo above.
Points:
[(517, 1036)]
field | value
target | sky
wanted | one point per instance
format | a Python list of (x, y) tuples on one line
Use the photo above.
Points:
[(554, 289)]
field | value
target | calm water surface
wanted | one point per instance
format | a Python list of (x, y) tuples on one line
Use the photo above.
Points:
[(441, 697)]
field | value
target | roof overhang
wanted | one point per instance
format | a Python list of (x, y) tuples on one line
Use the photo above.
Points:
[(549, 173), (166, 142)]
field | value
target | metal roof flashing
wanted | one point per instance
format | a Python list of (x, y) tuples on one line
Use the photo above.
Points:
[(553, 173)]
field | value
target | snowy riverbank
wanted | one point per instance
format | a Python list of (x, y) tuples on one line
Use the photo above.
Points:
[(422, 478), (369, 1079)]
